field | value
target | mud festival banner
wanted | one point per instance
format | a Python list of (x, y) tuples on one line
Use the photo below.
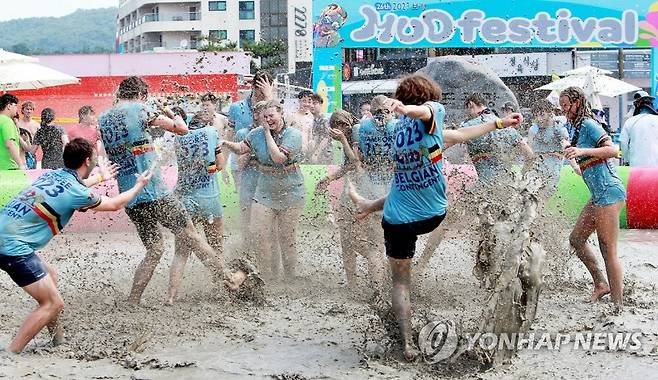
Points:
[(472, 23)]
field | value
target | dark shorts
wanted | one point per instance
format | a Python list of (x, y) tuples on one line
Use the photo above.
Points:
[(24, 270), (400, 239), (168, 211)]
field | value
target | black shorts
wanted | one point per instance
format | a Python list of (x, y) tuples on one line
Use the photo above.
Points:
[(168, 211), (400, 239), (24, 270)]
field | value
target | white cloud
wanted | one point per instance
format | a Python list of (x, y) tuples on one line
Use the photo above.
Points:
[(50, 8)]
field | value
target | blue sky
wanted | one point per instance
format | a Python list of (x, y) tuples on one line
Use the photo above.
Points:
[(54, 8)]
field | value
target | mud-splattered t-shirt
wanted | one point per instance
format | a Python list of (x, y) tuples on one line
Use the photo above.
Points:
[(489, 152), (376, 145), (279, 186), (128, 143), (196, 154), (38, 213), (418, 191)]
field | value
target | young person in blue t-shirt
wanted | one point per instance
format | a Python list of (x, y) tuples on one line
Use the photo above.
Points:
[(592, 148), (417, 202), (30, 220)]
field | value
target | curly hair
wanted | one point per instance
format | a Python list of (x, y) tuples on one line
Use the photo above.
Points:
[(583, 112), (417, 89)]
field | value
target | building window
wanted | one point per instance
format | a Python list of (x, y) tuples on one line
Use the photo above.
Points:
[(217, 5), (218, 34), (246, 10), (247, 36)]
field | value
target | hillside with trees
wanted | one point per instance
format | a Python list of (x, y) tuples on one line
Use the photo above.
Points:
[(83, 31)]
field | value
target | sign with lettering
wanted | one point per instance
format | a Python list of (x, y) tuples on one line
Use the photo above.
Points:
[(384, 69), (300, 32), (483, 23)]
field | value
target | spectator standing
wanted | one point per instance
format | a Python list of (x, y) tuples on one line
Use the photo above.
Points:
[(10, 157), (87, 128), (52, 140), (639, 136)]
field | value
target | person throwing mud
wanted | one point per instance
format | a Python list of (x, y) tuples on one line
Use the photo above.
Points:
[(417, 203), (592, 148), (30, 220), (125, 132), (279, 195)]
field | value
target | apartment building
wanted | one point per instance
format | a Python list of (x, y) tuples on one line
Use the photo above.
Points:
[(166, 25)]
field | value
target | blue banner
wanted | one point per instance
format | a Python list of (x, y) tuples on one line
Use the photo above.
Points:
[(488, 23)]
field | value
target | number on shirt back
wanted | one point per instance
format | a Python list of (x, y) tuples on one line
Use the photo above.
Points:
[(411, 134), (48, 186)]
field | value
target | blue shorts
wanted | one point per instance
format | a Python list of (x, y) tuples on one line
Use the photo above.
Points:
[(204, 208), (608, 194), (24, 269)]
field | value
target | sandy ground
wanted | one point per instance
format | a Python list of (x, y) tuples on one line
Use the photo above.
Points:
[(313, 328)]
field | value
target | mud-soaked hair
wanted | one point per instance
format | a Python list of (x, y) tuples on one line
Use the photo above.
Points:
[(47, 116), (584, 111), (417, 89), (84, 111), (344, 121), (475, 98), (542, 106), (201, 119), (132, 88), (260, 106), (317, 98), (76, 152)]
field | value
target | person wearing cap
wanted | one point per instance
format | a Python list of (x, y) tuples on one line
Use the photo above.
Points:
[(639, 136)]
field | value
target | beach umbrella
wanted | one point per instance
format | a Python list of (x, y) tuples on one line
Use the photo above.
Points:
[(9, 57), (30, 75), (595, 83)]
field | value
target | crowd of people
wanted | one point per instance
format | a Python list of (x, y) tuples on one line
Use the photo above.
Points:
[(394, 187)]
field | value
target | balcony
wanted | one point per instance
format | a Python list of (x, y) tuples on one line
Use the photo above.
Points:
[(161, 17)]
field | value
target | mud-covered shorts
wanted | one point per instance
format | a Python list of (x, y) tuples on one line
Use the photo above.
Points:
[(400, 239), (168, 211)]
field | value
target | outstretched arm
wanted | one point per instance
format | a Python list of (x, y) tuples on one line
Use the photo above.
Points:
[(461, 135), (120, 201)]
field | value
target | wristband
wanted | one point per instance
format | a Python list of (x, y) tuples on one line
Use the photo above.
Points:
[(499, 124), (99, 177)]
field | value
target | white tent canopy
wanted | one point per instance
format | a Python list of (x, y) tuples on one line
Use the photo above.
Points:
[(593, 81), (380, 86), (28, 75), (9, 57)]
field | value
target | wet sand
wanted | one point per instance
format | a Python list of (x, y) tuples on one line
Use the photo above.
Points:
[(313, 328)]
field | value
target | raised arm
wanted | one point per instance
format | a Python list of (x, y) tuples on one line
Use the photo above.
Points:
[(469, 133), (278, 156), (120, 201)]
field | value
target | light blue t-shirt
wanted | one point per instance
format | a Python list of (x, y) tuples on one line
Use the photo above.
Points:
[(599, 175), (418, 191), (376, 145), (489, 152), (197, 172), (127, 142), (240, 114), (279, 186), (38, 213)]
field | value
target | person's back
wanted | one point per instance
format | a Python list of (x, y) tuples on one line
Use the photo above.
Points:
[(49, 138), (40, 212), (639, 140), (197, 169), (124, 132), (376, 144)]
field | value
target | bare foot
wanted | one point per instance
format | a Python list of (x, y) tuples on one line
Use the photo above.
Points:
[(169, 302), (410, 352), (58, 337), (599, 291)]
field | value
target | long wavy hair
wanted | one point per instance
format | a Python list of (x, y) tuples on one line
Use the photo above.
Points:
[(583, 111)]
